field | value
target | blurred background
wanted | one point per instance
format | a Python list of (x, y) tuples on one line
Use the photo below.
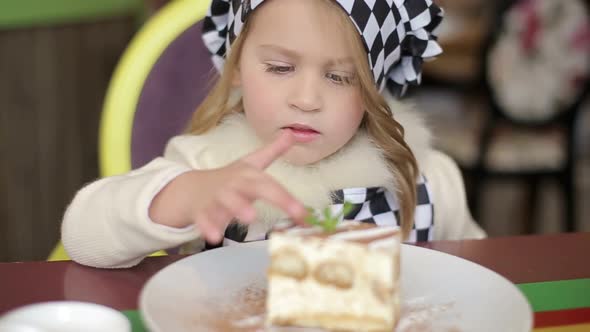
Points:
[(507, 100)]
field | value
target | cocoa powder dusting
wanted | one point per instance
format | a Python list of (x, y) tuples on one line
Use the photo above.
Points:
[(246, 313)]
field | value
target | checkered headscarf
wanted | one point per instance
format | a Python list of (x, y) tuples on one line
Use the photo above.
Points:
[(397, 34)]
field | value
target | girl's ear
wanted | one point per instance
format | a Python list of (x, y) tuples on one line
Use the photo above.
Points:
[(236, 81), (235, 96)]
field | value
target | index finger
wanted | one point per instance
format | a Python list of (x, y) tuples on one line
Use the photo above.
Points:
[(265, 156)]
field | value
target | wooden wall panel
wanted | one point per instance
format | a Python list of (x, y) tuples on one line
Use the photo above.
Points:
[(52, 85)]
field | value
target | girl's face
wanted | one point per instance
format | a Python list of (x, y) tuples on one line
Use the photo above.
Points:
[(296, 73)]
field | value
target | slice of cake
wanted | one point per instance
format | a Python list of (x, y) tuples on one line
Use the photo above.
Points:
[(345, 280)]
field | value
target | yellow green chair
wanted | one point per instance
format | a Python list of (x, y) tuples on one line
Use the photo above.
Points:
[(160, 80)]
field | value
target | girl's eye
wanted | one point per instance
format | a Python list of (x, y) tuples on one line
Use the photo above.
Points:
[(339, 79), (278, 69)]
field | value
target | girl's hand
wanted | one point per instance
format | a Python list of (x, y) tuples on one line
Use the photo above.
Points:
[(210, 199)]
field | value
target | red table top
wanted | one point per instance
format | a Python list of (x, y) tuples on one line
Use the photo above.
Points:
[(522, 259)]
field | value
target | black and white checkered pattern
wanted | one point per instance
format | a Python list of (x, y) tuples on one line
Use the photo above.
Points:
[(398, 34), (374, 205), (223, 24), (379, 206)]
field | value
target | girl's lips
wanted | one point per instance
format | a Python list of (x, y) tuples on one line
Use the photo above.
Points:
[(302, 133)]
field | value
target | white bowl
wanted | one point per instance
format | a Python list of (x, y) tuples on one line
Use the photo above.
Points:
[(64, 316)]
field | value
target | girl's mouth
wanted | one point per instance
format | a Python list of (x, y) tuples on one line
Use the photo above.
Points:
[(302, 133)]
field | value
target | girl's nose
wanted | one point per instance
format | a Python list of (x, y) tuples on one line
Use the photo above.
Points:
[(305, 93)]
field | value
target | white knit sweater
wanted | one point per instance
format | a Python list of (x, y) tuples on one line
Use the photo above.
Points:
[(107, 224)]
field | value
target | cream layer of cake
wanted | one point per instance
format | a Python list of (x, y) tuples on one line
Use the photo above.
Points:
[(345, 280)]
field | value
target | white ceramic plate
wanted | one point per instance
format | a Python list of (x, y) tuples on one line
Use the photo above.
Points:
[(224, 290), (64, 316)]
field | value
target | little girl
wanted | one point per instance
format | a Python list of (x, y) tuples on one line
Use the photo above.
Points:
[(295, 120)]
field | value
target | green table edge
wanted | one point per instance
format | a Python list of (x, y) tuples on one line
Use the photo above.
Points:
[(557, 295), (134, 318), (32, 13)]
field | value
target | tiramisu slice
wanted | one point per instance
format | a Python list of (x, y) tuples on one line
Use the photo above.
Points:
[(345, 280)]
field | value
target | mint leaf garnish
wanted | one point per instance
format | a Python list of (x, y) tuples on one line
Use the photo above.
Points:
[(329, 221)]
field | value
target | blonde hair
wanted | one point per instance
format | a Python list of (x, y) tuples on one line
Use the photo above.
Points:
[(378, 121)]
